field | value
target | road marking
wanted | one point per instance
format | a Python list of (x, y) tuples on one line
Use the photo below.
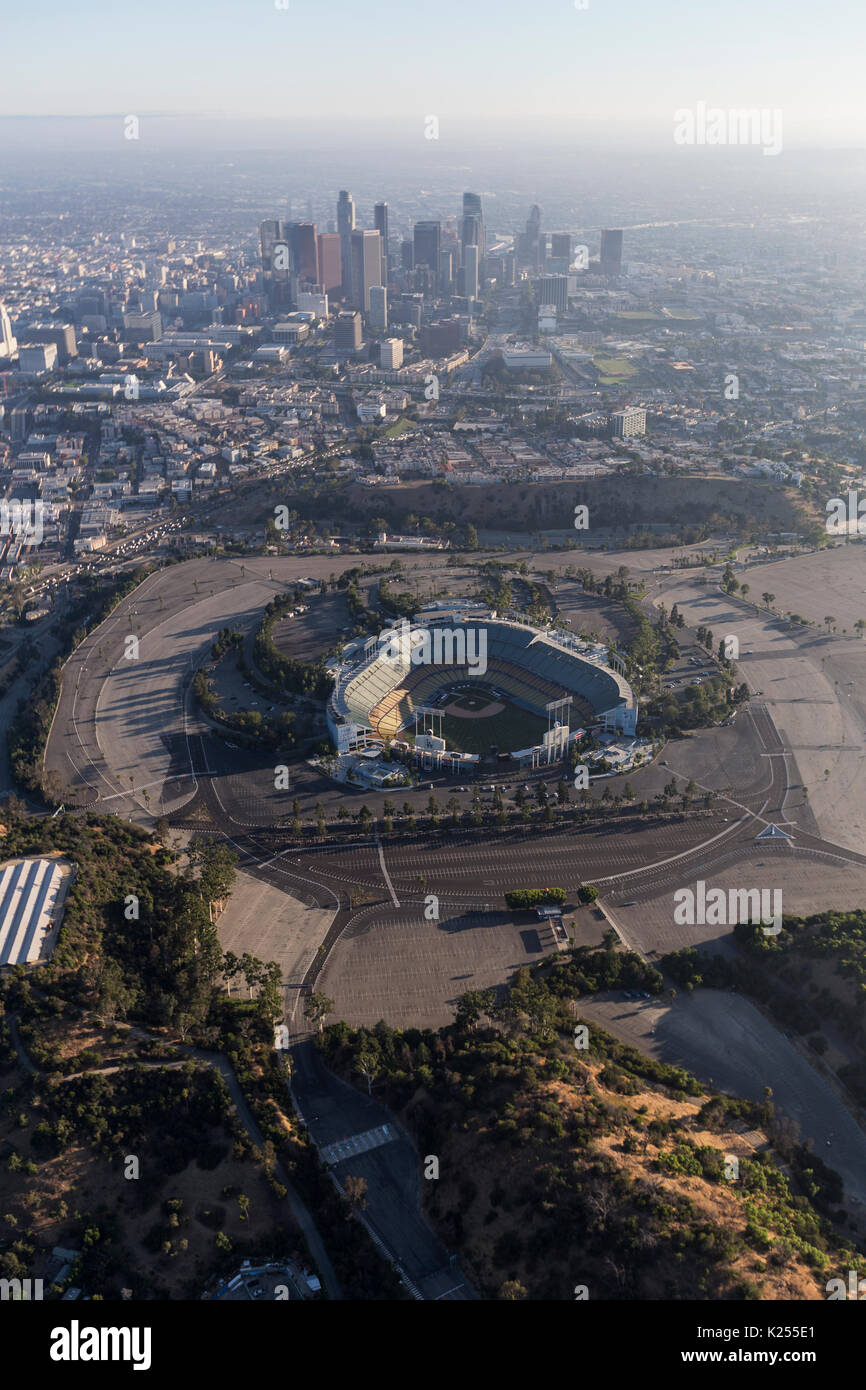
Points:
[(357, 1144), (395, 900)]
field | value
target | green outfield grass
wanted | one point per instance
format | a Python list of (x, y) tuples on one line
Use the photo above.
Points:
[(511, 729)]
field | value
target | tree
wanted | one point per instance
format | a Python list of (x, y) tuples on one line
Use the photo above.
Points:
[(317, 1007), (367, 1064), (355, 1190), (587, 893), (512, 1291)]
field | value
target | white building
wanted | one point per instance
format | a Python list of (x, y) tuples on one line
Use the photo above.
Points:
[(37, 357), (391, 353)]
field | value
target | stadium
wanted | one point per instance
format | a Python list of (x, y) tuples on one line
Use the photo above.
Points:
[(474, 683)]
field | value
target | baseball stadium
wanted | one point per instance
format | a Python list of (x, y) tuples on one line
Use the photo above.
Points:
[(475, 684)]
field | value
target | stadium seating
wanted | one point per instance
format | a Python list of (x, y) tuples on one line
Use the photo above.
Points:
[(522, 662)]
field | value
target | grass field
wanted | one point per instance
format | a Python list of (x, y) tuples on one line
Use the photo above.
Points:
[(614, 369), (401, 426), (512, 728)]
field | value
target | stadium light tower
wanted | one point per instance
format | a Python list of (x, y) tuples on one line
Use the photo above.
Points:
[(558, 727)]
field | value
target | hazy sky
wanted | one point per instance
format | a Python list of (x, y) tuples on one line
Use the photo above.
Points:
[(620, 66)]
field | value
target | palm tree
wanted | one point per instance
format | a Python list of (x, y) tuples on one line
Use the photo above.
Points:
[(769, 599)]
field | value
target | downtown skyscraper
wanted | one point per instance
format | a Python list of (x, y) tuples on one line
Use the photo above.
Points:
[(345, 228)]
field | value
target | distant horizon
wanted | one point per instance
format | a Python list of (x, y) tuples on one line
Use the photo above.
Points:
[(598, 63), (407, 130)]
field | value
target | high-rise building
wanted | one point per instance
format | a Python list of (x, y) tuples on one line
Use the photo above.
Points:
[(347, 331), (623, 424), (380, 222), (378, 307), (330, 261), (441, 338), (8, 344), (470, 271), (308, 253), (345, 227), (446, 269), (472, 232), (408, 310), (62, 335), (391, 353), (509, 268), (277, 260), (426, 244), (407, 255), (143, 328), (552, 289), (530, 243), (611, 252), (560, 246), (366, 267)]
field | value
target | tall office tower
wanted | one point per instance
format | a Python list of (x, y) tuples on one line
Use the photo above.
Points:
[(509, 268), (277, 261), (552, 289), (446, 270), (560, 246), (470, 271), (345, 227), (380, 222), (378, 307), (330, 261), (611, 252), (366, 267), (8, 343), (529, 245), (474, 234), (426, 243), (407, 255), (308, 252), (347, 331)]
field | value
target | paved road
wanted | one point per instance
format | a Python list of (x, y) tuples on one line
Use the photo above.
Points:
[(335, 1112)]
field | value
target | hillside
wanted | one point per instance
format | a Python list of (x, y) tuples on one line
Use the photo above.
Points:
[(599, 1168), (623, 501)]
